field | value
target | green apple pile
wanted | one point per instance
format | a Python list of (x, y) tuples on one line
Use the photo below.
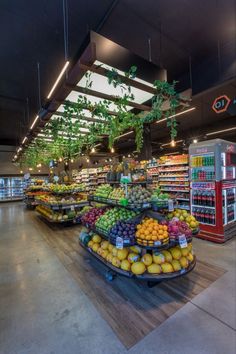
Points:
[(103, 191), (107, 220), (139, 195)]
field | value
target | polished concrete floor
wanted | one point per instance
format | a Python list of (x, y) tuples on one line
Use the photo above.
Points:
[(44, 311)]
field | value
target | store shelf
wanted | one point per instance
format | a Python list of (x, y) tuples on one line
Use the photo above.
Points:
[(184, 199), (173, 164), (202, 206), (184, 207), (173, 170), (173, 185), (175, 190)]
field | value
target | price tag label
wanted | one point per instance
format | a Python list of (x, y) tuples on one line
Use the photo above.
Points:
[(182, 241), (119, 243), (170, 205), (146, 205), (72, 208)]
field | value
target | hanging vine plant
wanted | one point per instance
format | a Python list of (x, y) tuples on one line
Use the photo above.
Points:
[(71, 133)]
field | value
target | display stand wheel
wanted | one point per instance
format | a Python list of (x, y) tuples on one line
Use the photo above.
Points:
[(110, 275)]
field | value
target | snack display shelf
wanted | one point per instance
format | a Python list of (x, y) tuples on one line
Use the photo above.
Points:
[(173, 185), (173, 164), (173, 179), (174, 169), (152, 278), (175, 190), (130, 183)]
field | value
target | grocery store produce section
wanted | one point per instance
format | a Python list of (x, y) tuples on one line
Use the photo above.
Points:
[(132, 239)]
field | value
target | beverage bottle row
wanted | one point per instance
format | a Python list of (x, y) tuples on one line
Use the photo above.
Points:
[(201, 197), (230, 196), (199, 161), (230, 213), (204, 216), (202, 175)]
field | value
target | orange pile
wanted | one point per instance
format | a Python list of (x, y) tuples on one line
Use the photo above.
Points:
[(150, 230)]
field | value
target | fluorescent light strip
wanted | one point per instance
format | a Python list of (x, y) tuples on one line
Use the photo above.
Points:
[(35, 120), (172, 153), (24, 140), (58, 79), (178, 141), (121, 136), (221, 131), (175, 115)]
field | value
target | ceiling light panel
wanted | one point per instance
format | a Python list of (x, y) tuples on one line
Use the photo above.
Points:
[(73, 97), (108, 67), (100, 84), (84, 112)]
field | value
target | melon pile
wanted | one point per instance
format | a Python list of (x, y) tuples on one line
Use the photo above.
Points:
[(131, 259)]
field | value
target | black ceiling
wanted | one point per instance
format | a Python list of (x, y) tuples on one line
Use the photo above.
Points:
[(180, 32)]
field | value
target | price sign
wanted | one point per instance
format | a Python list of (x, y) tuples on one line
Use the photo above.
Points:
[(72, 208), (119, 243), (170, 205), (182, 241)]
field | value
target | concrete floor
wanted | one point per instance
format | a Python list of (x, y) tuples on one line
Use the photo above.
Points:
[(43, 310)]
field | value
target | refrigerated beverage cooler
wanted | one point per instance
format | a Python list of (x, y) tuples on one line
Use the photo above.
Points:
[(213, 188)]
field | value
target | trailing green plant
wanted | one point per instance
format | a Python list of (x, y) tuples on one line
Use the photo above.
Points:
[(71, 133)]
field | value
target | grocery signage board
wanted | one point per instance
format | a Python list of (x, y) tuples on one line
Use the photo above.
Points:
[(221, 104), (224, 104), (203, 185)]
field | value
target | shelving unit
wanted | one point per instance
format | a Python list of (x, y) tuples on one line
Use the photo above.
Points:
[(213, 188), (174, 179), (11, 188)]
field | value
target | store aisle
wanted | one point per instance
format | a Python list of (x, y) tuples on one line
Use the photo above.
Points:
[(43, 310)]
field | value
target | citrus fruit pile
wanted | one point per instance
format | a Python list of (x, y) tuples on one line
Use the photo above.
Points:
[(150, 232), (131, 259)]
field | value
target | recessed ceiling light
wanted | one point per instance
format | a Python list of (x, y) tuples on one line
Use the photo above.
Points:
[(195, 141)]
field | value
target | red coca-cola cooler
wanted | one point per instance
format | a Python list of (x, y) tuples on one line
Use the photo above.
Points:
[(213, 188)]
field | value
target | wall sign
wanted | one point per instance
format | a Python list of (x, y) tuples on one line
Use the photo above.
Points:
[(221, 104)]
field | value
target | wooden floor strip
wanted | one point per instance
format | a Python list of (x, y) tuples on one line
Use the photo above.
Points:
[(131, 308)]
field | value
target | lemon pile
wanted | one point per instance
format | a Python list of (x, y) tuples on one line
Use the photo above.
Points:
[(130, 259)]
